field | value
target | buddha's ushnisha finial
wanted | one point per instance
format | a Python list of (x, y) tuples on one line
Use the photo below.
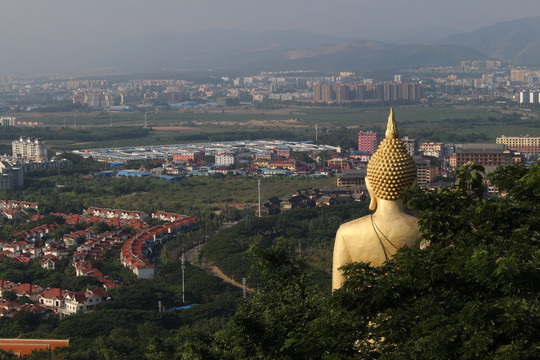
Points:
[(391, 128)]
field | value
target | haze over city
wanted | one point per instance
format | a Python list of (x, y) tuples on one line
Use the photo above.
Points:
[(38, 34)]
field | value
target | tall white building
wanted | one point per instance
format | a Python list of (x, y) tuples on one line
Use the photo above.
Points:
[(34, 149), (8, 121)]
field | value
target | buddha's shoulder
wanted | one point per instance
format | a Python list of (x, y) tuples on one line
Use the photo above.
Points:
[(355, 225)]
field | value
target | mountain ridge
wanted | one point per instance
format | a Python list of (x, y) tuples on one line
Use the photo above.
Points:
[(515, 40)]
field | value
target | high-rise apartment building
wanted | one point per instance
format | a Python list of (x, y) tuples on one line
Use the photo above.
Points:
[(425, 171), (410, 144), (8, 121), (10, 176), (366, 92), (368, 141), (34, 149), (529, 97), (517, 75)]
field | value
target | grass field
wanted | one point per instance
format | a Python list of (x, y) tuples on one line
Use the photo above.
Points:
[(450, 123)]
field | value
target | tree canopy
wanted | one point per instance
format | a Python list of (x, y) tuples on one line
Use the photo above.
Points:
[(471, 293)]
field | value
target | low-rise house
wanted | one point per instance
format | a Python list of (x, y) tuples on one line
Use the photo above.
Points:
[(29, 290), (7, 307), (52, 298), (55, 249), (81, 301), (49, 262)]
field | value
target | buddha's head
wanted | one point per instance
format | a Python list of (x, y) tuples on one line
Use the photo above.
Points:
[(391, 168)]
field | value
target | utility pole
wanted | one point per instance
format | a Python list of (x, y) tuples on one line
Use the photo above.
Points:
[(316, 133), (110, 116), (259, 188), (183, 268), (145, 120), (244, 287)]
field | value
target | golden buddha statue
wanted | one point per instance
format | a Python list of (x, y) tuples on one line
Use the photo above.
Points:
[(376, 238)]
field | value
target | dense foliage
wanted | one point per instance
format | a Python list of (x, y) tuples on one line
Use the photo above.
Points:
[(472, 293), (310, 231)]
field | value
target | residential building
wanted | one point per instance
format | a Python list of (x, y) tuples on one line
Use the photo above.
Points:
[(8, 121), (189, 156), (352, 178), (526, 144), (284, 151), (517, 75), (432, 149), (489, 156), (529, 97), (426, 172), (34, 149), (410, 144), (226, 159), (83, 300), (368, 141), (10, 176)]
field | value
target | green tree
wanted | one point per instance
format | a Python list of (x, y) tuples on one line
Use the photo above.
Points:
[(271, 323), (9, 295)]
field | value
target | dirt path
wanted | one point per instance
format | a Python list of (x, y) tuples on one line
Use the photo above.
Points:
[(217, 272), (214, 270)]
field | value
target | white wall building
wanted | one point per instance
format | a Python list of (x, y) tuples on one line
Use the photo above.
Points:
[(34, 149), (226, 159), (8, 121)]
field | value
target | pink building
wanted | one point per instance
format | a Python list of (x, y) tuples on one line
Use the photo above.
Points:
[(368, 141)]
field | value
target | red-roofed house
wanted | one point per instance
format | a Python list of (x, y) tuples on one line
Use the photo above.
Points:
[(26, 289), (52, 298), (49, 262), (81, 301)]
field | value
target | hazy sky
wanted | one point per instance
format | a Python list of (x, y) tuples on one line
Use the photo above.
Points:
[(37, 32), (30, 21)]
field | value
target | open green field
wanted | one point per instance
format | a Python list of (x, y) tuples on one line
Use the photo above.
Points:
[(202, 193), (336, 125)]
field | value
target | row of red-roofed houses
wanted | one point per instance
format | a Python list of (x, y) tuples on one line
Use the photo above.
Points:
[(38, 233), (19, 248), (13, 204), (134, 253), (93, 250), (110, 217), (114, 213), (165, 216), (53, 299), (133, 257), (9, 214)]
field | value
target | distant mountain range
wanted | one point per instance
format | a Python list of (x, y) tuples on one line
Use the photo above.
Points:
[(518, 41), (272, 50)]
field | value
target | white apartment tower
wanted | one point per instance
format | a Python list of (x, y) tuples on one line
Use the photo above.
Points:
[(8, 121), (34, 149)]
